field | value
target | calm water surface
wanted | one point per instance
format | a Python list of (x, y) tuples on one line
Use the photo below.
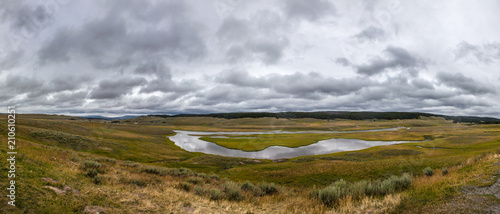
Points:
[(190, 141)]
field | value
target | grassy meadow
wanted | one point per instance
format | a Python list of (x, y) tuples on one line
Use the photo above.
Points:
[(75, 165)]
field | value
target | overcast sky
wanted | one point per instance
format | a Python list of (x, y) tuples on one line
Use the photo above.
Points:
[(147, 57)]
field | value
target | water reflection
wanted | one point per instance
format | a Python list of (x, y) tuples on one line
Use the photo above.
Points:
[(189, 140)]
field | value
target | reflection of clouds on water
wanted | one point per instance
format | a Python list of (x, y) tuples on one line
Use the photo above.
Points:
[(189, 140)]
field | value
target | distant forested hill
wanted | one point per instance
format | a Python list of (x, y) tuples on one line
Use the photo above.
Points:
[(341, 115)]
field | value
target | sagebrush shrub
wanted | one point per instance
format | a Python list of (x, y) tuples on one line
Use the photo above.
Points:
[(329, 195), (91, 173), (97, 179), (233, 191), (195, 180), (214, 177), (199, 190), (428, 171), (247, 186), (268, 188), (215, 194), (444, 171), (185, 186)]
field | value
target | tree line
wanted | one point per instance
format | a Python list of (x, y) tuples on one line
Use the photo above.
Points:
[(326, 115)]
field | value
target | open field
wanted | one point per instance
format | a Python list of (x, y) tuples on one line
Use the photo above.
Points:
[(58, 147)]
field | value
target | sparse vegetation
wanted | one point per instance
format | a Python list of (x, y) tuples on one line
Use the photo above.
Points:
[(444, 171), (428, 171), (215, 194), (330, 195), (199, 190), (341, 189), (91, 173), (195, 180), (97, 179), (247, 186), (232, 191), (269, 188), (91, 165), (214, 177), (185, 186)]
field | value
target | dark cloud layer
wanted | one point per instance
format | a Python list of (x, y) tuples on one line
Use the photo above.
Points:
[(110, 89), (110, 41), (309, 10), (466, 84), (371, 33), (397, 58)]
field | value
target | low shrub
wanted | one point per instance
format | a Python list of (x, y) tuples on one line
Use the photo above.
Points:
[(329, 195), (91, 173), (155, 170), (185, 186), (138, 182), (107, 160), (387, 186), (428, 171), (269, 188), (233, 191), (444, 171), (341, 184), (195, 180), (258, 192), (91, 165), (134, 181), (97, 179), (181, 172), (88, 164), (214, 177), (341, 189), (199, 190), (131, 164), (359, 189), (374, 188), (202, 175), (314, 193), (215, 194), (247, 186)]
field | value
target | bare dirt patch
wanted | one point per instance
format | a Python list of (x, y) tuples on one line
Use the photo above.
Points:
[(63, 191)]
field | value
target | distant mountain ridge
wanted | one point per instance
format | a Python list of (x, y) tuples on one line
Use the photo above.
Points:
[(341, 115)]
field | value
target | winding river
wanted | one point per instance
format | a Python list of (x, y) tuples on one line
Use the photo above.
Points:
[(190, 141)]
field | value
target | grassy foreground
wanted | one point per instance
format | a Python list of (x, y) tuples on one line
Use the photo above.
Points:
[(56, 156)]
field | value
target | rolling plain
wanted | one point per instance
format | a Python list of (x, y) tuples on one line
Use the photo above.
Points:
[(75, 165)]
